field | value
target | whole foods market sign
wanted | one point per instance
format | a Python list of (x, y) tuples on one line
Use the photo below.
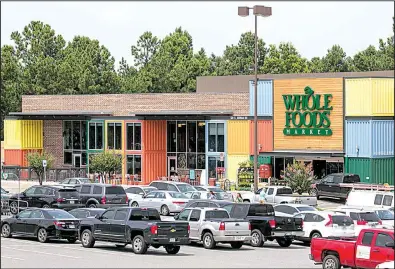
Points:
[(307, 114)]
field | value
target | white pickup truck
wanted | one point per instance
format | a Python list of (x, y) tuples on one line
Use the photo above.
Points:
[(214, 225), (285, 195)]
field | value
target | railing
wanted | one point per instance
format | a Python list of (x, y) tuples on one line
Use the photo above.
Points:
[(12, 207), (53, 174)]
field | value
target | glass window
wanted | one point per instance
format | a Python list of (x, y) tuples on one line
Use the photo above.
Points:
[(171, 136), (84, 158), (85, 189), (24, 214), (68, 157), (171, 187), (270, 192), (83, 134), (95, 135), (228, 208), (99, 135), (59, 214), (121, 214), (216, 137), (97, 190), (388, 199), (201, 161), (67, 135), (109, 214), (133, 166), (191, 163), (114, 135), (217, 214), (133, 139), (151, 195), (36, 214), (136, 215), (212, 133), (201, 137), (30, 191), (181, 136), (383, 239), (212, 167), (367, 238), (118, 135), (191, 134), (76, 135), (221, 137), (184, 215), (115, 190), (378, 199), (160, 195), (195, 215)]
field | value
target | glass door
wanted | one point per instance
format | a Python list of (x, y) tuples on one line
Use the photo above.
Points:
[(77, 160)]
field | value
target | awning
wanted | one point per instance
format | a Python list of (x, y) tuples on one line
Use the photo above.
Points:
[(307, 155), (59, 115)]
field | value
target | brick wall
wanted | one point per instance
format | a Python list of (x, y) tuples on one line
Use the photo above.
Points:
[(124, 104), (53, 140)]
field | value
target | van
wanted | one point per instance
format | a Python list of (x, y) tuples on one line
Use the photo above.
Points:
[(365, 198)]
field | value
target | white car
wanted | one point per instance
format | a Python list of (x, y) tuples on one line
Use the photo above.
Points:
[(385, 215), (365, 198), (289, 210), (363, 219), (325, 224), (136, 193), (386, 265)]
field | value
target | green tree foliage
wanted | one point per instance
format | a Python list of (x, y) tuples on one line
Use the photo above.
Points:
[(35, 161), (336, 60), (106, 163), (299, 177), (145, 49)]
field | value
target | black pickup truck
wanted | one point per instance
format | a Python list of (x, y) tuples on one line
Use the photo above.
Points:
[(265, 225), (331, 185), (140, 227)]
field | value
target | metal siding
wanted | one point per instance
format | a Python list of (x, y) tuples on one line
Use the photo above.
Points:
[(265, 97), (13, 157), (383, 171), (359, 166), (154, 135), (265, 136), (238, 137), (358, 95), (12, 134), (32, 134), (154, 166), (358, 134), (233, 165), (382, 97), (382, 138)]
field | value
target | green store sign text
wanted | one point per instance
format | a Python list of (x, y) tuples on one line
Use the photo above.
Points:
[(307, 114)]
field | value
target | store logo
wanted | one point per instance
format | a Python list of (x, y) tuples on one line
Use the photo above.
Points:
[(307, 114)]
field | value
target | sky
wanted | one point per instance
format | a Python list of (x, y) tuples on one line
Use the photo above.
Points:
[(313, 27)]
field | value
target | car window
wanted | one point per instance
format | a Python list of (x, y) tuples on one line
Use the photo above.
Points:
[(121, 214), (73, 181), (80, 214), (151, 195), (385, 214), (154, 184), (284, 191), (217, 214), (369, 216), (280, 208), (48, 191), (287, 209), (185, 187), (354, 216), (177, 195), (202, 204), (97, 190), (308, 217), (147, 189), (301, 215), (171, 187), (39, 191), (212, 205), (66, 181), (161, 186), (24, 214), (378, 199), (367, 238), (85, 189), (59, 214), (388, 199), (195, 215), (351, 179), (113, 190), (342, 220), (317, 218), (184, 214), (136, 215), (383, 239), (134, 190), (337, 179), (109, 214), (260, 210), (306, 208), (196, 195), (36, 214), (328, 179), (192, 204), (240, 211), (270, 191), (160, 195)]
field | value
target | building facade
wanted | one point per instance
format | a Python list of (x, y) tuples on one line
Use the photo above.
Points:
[(339, 122)]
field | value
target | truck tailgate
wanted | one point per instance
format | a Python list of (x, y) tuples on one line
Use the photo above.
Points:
[(288, 224), (173, 229), (234, 226)]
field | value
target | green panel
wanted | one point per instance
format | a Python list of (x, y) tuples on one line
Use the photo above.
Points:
[(359, 166), (383, 171), (262, 159)]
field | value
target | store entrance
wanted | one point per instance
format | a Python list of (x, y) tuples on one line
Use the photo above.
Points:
[(319, 167)]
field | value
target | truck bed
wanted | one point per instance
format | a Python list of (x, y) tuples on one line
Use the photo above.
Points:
[(344, 247)]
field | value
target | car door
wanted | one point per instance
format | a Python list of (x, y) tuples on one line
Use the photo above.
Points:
[(84, 191), (28, 196), (146, 201), (335, 188), (102, 230), (19, 226), (380, 252), (363, 253), (158, 200), (194, 223), (35, 220), (269, 197), (118, 227), (39, 196)]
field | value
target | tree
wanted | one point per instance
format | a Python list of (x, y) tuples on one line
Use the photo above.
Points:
[(35, 161), (299, 177), (336, 60), (105, 163), (145, 49), (316, 65), (369, 60), (126, 76)]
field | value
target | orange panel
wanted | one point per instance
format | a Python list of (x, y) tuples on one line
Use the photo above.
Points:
[(265, 135), (25, 163), (13, 157), (154, 166), (154, 135)]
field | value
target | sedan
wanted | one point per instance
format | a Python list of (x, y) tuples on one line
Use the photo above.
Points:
[(83, 213), (165, 202), (74, 181), (289, 210), (43, 224), (137, 192)]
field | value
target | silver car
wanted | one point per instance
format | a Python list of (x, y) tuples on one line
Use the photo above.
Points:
[(136, 192), (166, 202)]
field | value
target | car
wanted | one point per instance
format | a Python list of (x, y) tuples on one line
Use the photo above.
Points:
[(203, 203), (137, 191), (385, 215), (43, 223), (75, 181), (371, 248), (82, 213), (214, 225), (284, 194), (325, 224), (385, 199), (223, 195), (102, 195), (172, 186), (46, 196), (202, 195), (141, 227), (289, 210), (5, 194), (166, 202), (331, 185)]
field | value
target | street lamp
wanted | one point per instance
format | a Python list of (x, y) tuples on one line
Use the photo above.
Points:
[(263, 12)]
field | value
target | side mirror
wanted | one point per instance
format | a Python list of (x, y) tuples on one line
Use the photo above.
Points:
[(389, 244), (176, 216)]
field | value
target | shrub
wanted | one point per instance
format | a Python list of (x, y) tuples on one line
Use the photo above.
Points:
[(299, 177)]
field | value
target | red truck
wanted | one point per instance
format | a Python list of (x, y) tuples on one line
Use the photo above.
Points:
[(370, 248)]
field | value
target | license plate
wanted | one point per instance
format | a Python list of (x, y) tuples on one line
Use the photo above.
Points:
[(172, 240), (71, 226), (239, 238), (71, 202)]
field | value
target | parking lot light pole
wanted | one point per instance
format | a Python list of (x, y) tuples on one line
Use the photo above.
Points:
[(263, 12)]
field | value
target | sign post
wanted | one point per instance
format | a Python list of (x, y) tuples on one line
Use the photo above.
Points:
[(45, 170)]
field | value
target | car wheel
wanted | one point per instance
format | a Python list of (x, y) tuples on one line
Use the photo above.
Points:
[(87, 239), (46, 206), (14, 207), (315, 235), (6, 230), (172, 249), (331, 262), (72, 240), (164, 210), (284, 243), (42, 235), (208, 241), (135, 204), (139, 245), (120, 245), (257, 238), (236, 245), (92, 205)]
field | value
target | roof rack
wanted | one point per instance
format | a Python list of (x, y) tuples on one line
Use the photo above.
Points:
[(371, 187)]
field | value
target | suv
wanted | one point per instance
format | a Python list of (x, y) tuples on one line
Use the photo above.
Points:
[(46, 197), (172, 186), (102, 195)]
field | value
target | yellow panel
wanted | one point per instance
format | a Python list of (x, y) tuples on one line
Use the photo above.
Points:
[(12, 134), (358, 92), (238, 137), (383, 96), (32, 134), (232, 163), (121, 151)]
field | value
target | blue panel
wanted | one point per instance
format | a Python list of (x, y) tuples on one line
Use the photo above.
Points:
[(358, 138), (216, 154), (383, 138), (265, 98)]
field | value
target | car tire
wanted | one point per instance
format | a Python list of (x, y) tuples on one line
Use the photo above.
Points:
[(164, 210), (134, 204), (42, 235), (331, 262), (14, 207), (6, 230), (284, 243), (257, 238), (87, 239), (315, 235), (208, 241), (72, 240), (236, 245), (46, 206), (139, 245), (92, 205), (172, 249)]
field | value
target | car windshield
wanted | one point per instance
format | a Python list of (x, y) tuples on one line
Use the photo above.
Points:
[(185, 187), (200, 188), (216, 189), (60, 214), (149, 189), (385, 214), (178, 195), (306, 208)]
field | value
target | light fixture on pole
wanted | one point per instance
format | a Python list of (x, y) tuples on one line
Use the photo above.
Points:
[(263, 12)]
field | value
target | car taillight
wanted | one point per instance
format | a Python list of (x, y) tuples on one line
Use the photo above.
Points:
[(330, 222), (59, 223), (59, 200), (222, 226), (127, 199), (154, 229), (272, 223), (103, 200), (301, 223), (189, 229), (362, 222), (249, 226), (178, 203)]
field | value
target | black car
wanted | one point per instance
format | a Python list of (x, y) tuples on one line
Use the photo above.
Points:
[(46, 197), (82, 213), (42, 223), (102, 195), (330, 186)]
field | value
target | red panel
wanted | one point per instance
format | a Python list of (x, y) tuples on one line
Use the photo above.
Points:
[(13, 157), (265, 136), (154, 166), (154, 135)]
